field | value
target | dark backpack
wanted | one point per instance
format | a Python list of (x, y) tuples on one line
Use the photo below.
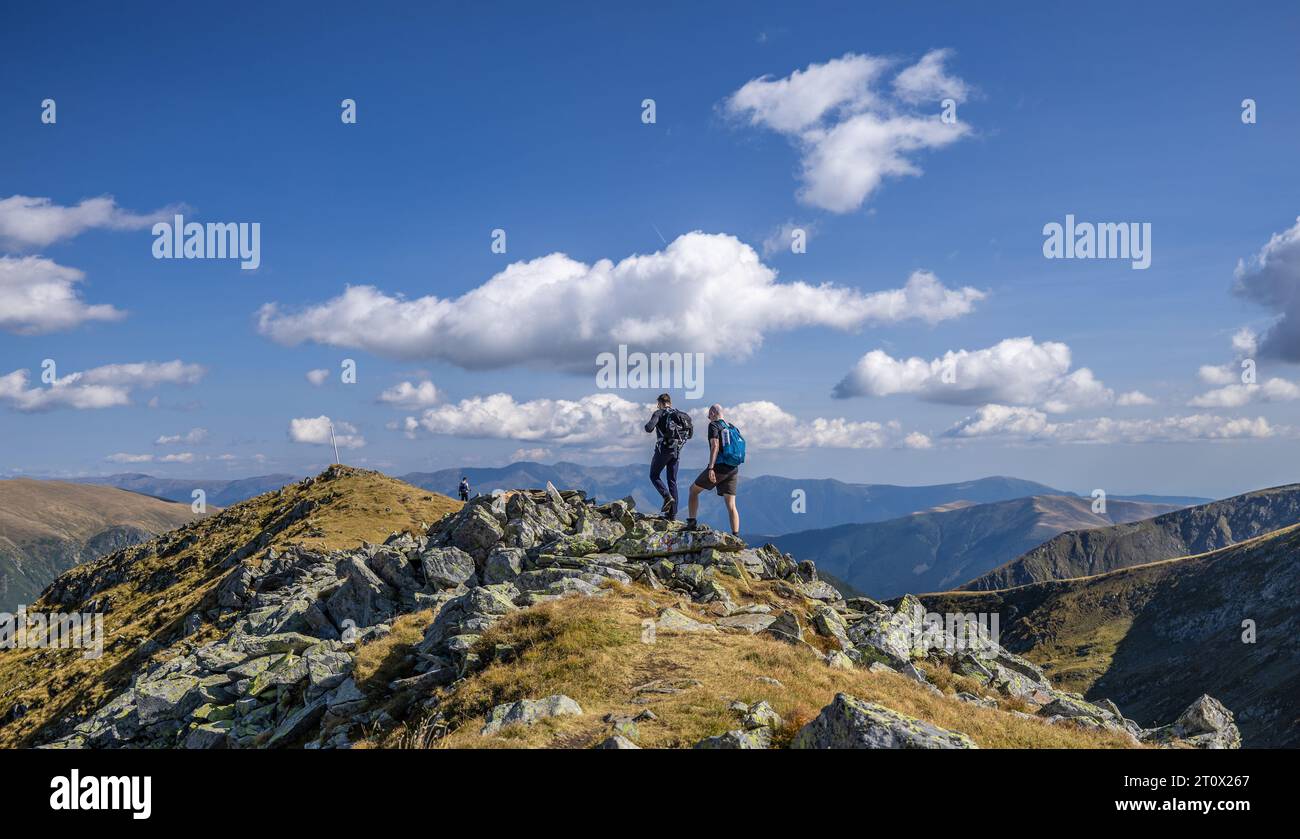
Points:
[(678, 428)]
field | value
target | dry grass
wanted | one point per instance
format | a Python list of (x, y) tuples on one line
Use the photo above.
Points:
[(157, 591), (379, 662), (590, 650)]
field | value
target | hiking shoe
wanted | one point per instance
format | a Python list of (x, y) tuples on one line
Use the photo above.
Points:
[(667, 507), (671, 515), (691, 525)]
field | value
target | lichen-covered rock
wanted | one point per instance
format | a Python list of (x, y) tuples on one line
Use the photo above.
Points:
[(529, 711), (757, 738), (671, 620), (851, 723), (447, 567)]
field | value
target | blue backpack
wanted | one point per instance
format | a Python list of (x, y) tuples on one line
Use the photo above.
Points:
[(732, 451)]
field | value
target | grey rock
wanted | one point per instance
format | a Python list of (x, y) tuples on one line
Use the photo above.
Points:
[(851, 723)]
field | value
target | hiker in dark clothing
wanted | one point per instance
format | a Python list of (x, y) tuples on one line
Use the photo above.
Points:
[(464, 488), (673, 428), (726, 453)]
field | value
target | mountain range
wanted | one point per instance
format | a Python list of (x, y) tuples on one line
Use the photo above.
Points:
[(767, 502), (46, 527), (1192, 530), (936, 550)]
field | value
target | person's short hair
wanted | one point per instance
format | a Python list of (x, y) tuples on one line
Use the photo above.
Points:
[(665, 399), (715, 411)]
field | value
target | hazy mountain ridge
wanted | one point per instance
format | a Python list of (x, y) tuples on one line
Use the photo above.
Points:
[(766, 501), (1145, 635), (1194, 530), (47, 527), (932, 551)]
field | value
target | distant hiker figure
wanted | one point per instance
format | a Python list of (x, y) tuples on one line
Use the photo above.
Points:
[(673, 429), (464, 488), (726, 453)]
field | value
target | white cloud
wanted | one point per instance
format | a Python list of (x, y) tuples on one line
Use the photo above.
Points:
[(318, 377), (852, 133), (927, 81), (705, 293), (316, 431), (1028, 424), (123, 457), (1236, 395), (606, 422), (100, 387), (1217, 374), (192, 437), (535, 454), (1015, 371), (407, 395), (1133, 398), (781, 240), (27, 222), (1245, 343), (1272, 279), (38, 295), (766, 425), (917, 440), (178, 457)]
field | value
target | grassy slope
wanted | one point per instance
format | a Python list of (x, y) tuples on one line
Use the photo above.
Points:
[(590, 649), (162, 584), (44, 527), (1155, 635)]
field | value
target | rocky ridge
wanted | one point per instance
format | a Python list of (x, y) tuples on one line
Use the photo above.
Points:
[(291, 622)]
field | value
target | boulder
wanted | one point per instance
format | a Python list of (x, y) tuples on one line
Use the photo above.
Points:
[(851, 723), (529, 711)]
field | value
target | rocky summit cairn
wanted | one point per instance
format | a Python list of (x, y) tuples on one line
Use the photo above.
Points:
[(289, 623)]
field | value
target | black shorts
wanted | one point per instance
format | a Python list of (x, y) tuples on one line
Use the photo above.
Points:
[(728, 477)]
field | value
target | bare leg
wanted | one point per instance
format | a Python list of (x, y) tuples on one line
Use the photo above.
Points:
[(693, 505), (732, 513)]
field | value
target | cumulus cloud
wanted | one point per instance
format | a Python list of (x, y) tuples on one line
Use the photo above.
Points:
[(100, 387), (533, 454), (1029, 424), (1017, 371), (514, 319), (316, 431), (123, 457), (318, 377), (607, 422), (27, 222), (1236, 395), (852, 130), (192, 437), (408, 395), (177, 457), (1133, 398), (1271, 278), (38, 295)]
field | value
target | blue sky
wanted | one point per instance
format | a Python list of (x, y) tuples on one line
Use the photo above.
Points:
[(529, 120)]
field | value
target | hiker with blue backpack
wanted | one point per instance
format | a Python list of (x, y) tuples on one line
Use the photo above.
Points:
[(672, 429), (726, 453)]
